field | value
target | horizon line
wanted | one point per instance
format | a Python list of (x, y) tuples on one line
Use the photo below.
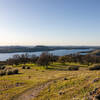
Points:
[(51, 45)]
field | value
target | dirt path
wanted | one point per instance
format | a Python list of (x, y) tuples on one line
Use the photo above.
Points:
[(30, 94)]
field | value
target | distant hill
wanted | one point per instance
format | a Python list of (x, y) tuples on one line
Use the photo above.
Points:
[(14, 49)]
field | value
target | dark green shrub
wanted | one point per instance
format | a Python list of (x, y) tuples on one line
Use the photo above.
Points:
[(15, 71), (23, 67), (95, 67), (28, 67), (2, 73), (72, 68)]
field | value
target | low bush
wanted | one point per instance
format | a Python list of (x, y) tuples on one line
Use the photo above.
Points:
[(95, 67), (72, 68), (23, 67), (8, 71), (28, 67), (2, 72), (2, 67), (15, 71)]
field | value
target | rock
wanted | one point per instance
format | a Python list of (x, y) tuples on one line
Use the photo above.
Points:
[(96, 89), (94, 95), (19, 84), (89, 98), (97, 97), (61, 93), (55, 81), (96, 80), (48, 90), (91, 93), (65, 78), (29, 77)]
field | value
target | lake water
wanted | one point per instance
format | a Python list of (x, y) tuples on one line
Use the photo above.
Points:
[(4, 56)]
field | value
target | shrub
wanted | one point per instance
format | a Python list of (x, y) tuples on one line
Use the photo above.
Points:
[(8, 71), (73, 68), (15, 71), (23, 67), (28, 67), (2, 67), (62, 59), (95, 67), (2, 73)]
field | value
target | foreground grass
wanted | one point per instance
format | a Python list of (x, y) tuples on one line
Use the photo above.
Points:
[(12, 85), (78, 83), (77, 86)]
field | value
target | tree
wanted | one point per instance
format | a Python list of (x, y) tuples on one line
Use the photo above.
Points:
[(44, 59), (62, 59)]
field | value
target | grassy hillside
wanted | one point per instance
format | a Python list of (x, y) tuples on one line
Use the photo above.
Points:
[(62, 85)]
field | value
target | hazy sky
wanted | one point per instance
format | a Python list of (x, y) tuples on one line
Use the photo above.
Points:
[(49, 22)]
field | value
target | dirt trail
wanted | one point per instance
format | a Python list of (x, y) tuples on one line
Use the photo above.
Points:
[(30, 94)]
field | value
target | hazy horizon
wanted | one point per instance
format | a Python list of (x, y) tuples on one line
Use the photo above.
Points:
[(50, 22), (52, 45)]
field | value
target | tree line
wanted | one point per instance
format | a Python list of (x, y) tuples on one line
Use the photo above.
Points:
[(43, 60), (46, 59)]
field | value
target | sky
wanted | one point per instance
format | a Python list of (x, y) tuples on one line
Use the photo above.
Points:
[(50, 22)]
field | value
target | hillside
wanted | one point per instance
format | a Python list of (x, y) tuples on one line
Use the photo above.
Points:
[(56, 83)]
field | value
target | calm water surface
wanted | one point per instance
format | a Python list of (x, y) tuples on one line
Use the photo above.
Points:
[(4, 56)]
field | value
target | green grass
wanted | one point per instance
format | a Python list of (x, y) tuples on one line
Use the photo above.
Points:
[(78, 85)]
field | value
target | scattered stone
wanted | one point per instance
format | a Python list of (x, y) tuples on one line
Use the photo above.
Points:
[(96, 80), (97, 97), (48, 90), (19, 84), (55, 81), (89, 98), (61, 93), (91, 93), (65, 78), (29, 77), (94, 95)]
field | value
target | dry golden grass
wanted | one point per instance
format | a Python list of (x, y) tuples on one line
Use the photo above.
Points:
[(78, 83)]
